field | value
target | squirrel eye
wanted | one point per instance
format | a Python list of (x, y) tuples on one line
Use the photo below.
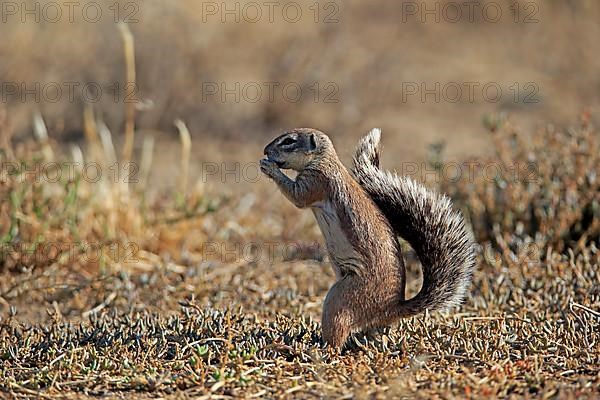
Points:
[(288, 141)]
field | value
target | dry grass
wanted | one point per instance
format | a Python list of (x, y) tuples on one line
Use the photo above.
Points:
[(114, 288), (200, 295)]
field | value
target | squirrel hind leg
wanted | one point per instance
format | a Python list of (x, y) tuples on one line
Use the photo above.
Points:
[(352, 305), (338, 316)]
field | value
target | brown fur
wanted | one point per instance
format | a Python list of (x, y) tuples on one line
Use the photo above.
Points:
[(361, 241)]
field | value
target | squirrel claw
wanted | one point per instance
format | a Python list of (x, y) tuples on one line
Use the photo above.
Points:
[(268, 167)]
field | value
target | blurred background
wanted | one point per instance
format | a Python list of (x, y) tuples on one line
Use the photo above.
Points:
[(238, 73), (131, 198)]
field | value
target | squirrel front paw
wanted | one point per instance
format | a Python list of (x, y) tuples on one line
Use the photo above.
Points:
[(268, 167)]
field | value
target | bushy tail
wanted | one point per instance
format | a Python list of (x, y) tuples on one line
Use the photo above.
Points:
[(427, 221)]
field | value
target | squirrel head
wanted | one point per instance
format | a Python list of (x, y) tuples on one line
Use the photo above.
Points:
[(298, 148)]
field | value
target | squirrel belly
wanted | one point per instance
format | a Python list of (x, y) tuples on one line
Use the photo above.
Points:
[(343, 256)]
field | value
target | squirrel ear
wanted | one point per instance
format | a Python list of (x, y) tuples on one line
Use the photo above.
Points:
[(312, 142)]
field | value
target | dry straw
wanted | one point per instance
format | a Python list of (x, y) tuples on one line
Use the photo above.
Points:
[(129, 52), (186, 147)]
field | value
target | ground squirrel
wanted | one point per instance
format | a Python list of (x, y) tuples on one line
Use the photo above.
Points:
[(361, 215)]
